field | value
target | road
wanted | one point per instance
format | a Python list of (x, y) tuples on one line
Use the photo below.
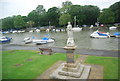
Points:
[(108, 53)]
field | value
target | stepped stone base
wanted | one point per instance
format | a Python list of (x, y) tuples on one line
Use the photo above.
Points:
[(71, 71)]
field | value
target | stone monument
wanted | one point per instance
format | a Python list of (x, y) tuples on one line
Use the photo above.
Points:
[(71, 69)]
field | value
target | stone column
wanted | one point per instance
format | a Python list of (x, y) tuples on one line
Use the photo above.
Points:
[(70, 47), (70, 57)]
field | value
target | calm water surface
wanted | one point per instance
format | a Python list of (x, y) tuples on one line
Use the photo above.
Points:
[(82, 39)]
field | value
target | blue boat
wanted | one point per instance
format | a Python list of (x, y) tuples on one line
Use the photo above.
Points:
[(5, 39), (116, 34), (5, 32)]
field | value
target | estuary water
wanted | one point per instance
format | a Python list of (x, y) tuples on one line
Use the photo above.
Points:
[(82, 39)]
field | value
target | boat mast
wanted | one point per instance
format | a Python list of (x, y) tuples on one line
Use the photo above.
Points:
[(74, 21), (49, 24)]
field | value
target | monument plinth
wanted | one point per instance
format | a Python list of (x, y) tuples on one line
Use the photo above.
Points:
[(70, 57), (71, 69)]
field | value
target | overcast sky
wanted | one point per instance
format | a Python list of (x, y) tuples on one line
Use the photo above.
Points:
[(23, 7)]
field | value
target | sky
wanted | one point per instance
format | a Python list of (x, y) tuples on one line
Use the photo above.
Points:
[(23, 7)]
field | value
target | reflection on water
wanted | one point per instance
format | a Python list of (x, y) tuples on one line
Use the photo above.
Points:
[(82, 39)]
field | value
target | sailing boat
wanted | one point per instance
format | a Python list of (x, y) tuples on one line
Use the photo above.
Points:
[(76, 28)]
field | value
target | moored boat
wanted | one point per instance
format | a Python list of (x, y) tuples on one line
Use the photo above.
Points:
[(5, 32), (4, 39), (31, 31), (15, 31), (27, 40), (57, 30), (37, 30), (62, 29), (77, 29), (116, 34), (44, 40), (21, 31), (99, 34), (39, 42), (112, 27)]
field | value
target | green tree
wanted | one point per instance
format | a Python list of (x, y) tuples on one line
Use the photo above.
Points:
[(107, 16), (91, 14), (66, 3), (77, 10), (43, 20), (53, 16), (40, 10), (34, 16), (0, 24), (116, 10), (25, 18), (19, 22), (65, 7), (30, 24), (7, 23), (64, 19)]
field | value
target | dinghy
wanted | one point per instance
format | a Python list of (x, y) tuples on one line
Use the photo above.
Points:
[(27, 40)]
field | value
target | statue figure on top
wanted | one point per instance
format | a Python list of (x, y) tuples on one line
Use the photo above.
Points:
[(70, 40)]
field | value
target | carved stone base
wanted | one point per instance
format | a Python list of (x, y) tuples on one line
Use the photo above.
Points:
[(70, 47), (70, 57), (71, 71)]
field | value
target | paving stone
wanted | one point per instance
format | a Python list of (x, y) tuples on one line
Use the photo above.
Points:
[(86, 72), (96, 71)]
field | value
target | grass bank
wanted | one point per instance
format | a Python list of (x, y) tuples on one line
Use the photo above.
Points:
[(110, 65), (24, 64), (27, 69)]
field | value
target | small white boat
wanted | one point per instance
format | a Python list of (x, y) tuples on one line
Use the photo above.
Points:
[(53, 30), (112, 28), (98, 34), (91, 27), (31, 31), (15, 31), (21, 31), (77, 29), (47, 30), (62, 29), (44, 40), (27, 40), (57, 30), (37, 30)]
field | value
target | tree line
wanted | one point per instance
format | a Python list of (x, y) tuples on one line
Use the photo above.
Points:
[(85, 15)]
